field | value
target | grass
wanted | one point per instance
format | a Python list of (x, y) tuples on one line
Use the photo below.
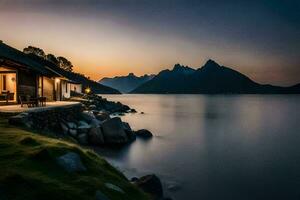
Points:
[(28, 170)]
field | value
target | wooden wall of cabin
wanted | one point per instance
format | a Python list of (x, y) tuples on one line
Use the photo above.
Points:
[(48, 88)]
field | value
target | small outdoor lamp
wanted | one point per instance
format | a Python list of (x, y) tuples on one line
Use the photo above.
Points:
[(87, 90)]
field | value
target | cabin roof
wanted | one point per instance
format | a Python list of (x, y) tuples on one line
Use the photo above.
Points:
[(74, 82), (55, 69), (14, 55)]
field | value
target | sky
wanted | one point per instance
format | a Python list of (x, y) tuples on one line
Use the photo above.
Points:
[(105, 38)]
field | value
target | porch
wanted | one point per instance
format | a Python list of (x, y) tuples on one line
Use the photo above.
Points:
[(8, 86), (18, 109)]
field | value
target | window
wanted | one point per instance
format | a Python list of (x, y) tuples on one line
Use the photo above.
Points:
[(66, 87)]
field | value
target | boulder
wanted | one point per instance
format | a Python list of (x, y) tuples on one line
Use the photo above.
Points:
[(87, 116), (83, 124), (143, 133), (64, 128), (83, 139), (150, 184), (132, 110), (95, 136), (83, 127), (101, 196), (126, 126), (124, 108), (92, 107), (130, 134), (71, 125), (114, 187), (95, 123), (95, 112), (83, 130), (102, 116), (73, 132), (113, 131), (71, 162)]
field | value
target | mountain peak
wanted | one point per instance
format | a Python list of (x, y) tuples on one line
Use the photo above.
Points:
[(131, 74), (182, 69), (178, 66), (211, 64), (126, 83)]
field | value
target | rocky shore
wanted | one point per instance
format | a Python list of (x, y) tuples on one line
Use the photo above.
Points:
[(98, 103), (90, 124)]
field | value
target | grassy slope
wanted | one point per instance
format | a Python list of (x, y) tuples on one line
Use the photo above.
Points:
[(28, 170)]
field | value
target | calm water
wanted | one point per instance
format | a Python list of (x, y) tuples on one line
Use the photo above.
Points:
[(216, 147)]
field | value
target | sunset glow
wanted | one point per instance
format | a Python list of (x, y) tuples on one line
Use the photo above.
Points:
[(106, 38)]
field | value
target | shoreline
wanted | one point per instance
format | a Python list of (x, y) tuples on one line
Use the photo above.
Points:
[(93, 127)]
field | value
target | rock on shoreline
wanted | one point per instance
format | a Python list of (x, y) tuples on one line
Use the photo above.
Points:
[(151, 185), (143, 133)]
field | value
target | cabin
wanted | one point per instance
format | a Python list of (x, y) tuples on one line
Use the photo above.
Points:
[(64, 83), (20, 75)]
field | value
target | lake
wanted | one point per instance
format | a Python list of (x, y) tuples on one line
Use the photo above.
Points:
[(215, 146)]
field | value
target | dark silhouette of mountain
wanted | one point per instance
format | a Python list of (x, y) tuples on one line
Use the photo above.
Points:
[(209, 79), (127, 83)]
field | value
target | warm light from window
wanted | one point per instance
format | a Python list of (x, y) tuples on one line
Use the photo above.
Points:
[(57, 80)]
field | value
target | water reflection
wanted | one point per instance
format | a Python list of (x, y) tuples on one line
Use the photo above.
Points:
[(218, 147)]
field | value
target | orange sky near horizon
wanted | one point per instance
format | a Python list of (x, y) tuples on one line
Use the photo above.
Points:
[(108, 66)]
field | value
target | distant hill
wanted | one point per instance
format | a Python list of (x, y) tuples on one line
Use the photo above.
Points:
[(127, 83), (76, 77), (209, 79)]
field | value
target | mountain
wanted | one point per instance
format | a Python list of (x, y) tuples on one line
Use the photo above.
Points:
[(127, 83), (209, 79)]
